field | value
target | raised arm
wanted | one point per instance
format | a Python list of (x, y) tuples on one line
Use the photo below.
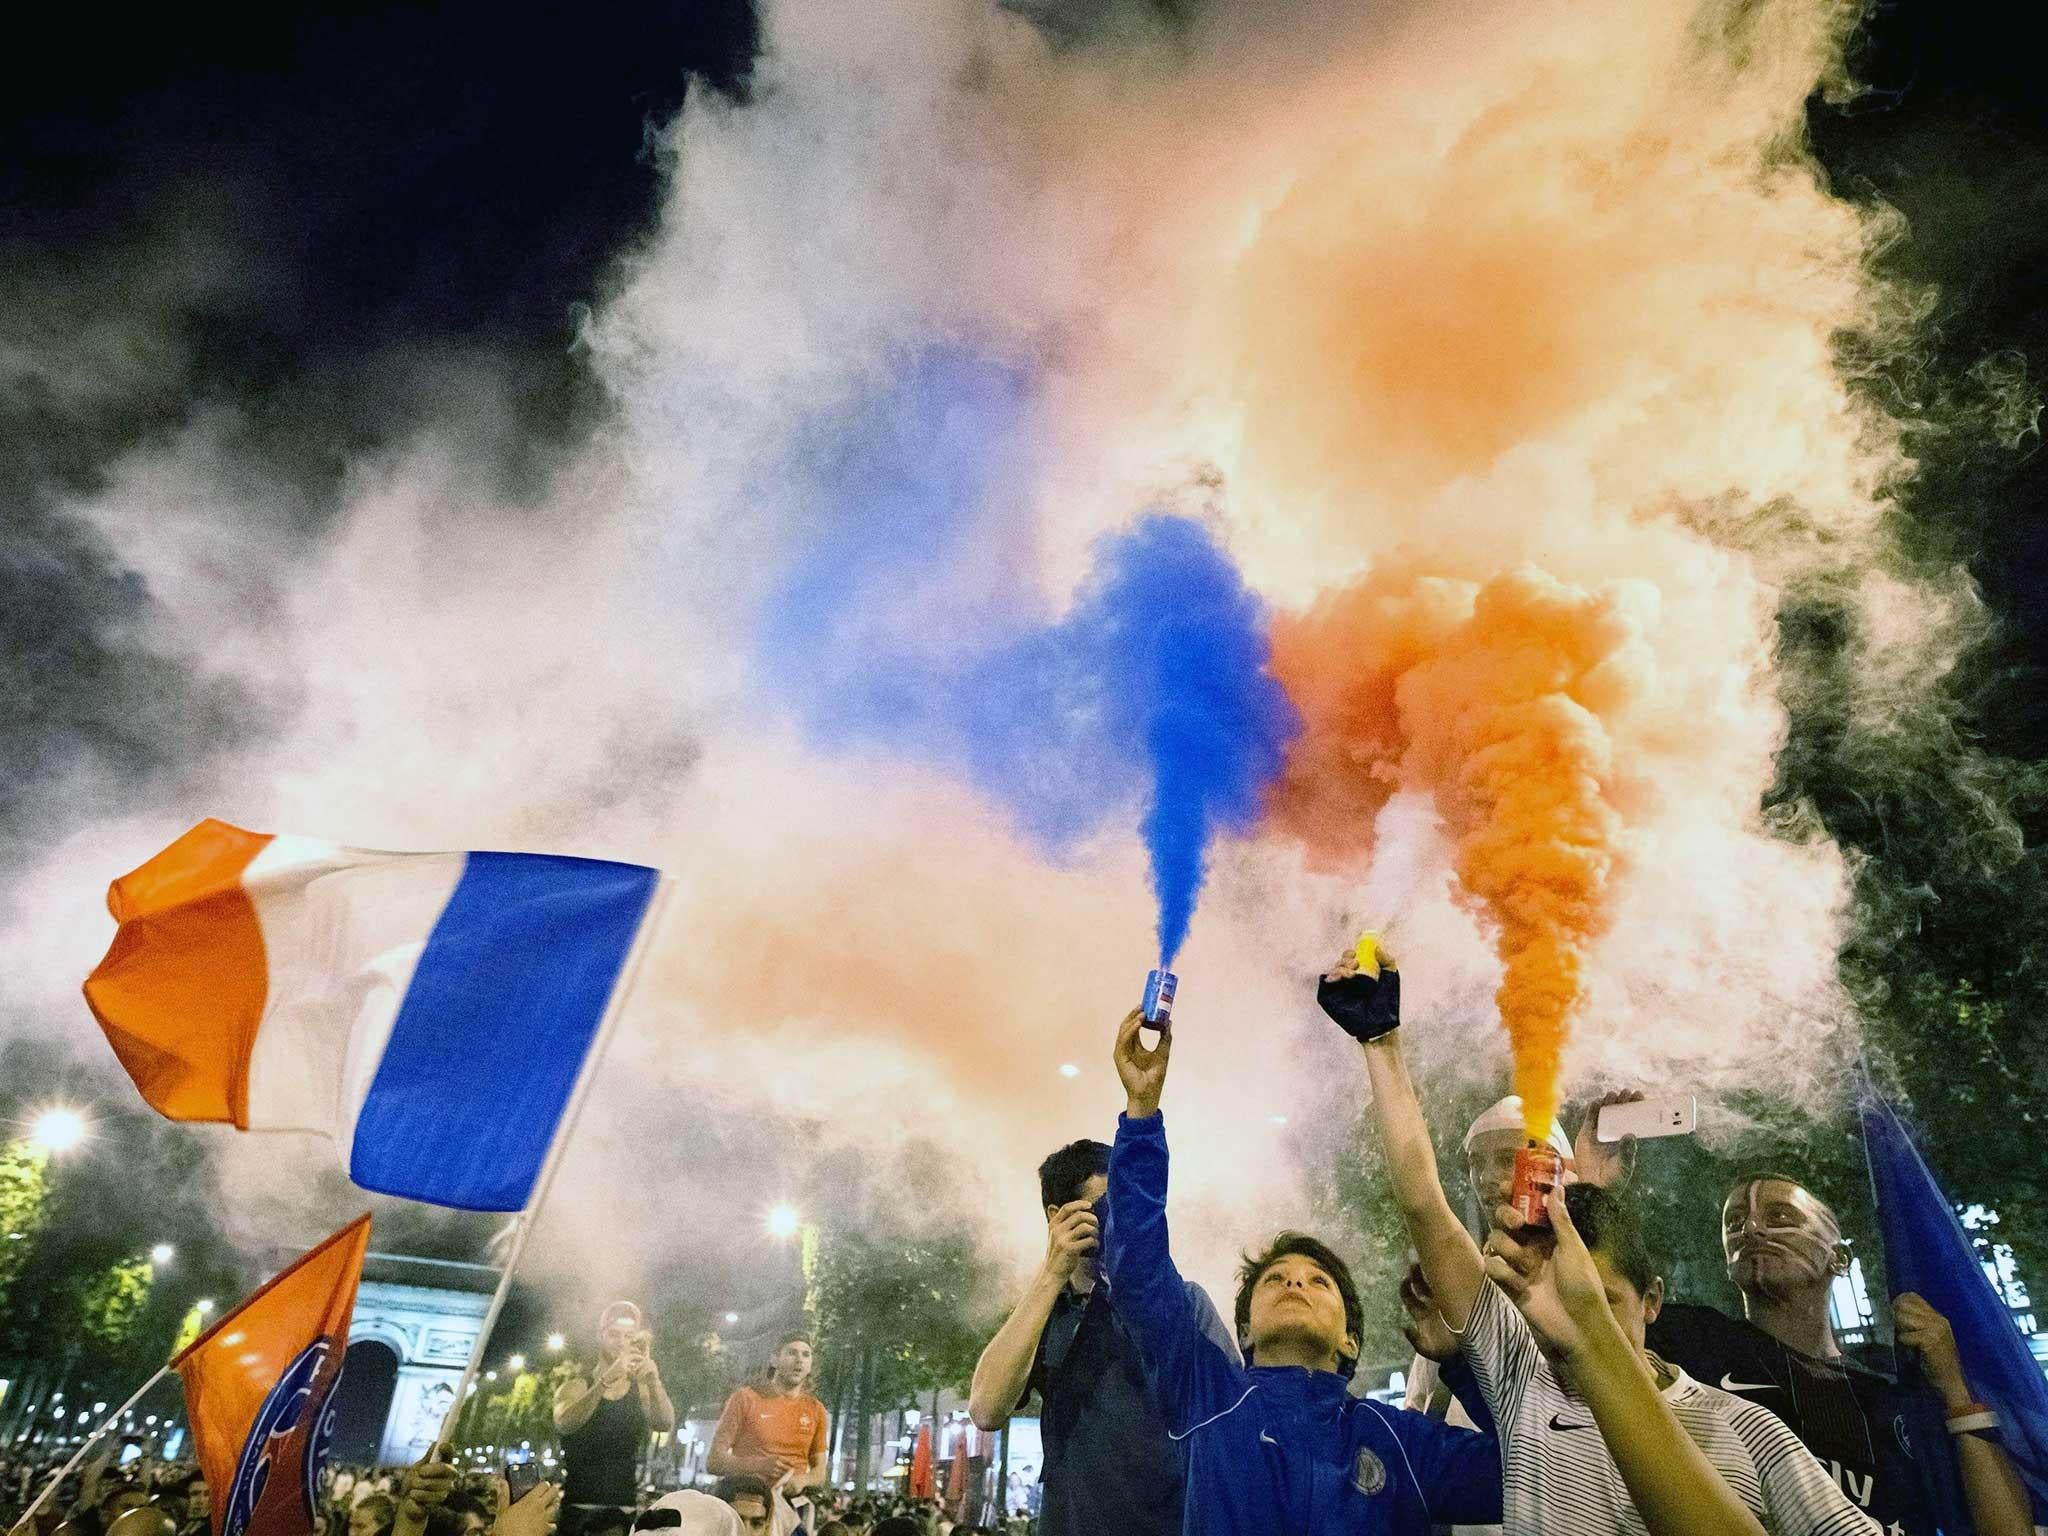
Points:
[(576, 1400), (654, 1401), (1674, 1487), (1003, 1373), (1991, 1486), (1367, 1007), (1192, 1376)]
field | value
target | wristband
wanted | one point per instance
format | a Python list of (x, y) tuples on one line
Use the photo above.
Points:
[(1364, 1007), (1973, 1418)]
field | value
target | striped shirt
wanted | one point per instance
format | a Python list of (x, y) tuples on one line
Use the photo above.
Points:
[(1559, 1480)]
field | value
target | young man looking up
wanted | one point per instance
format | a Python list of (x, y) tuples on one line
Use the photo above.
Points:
[(1598, 1438), (1109, 1463), (1276, 1446)]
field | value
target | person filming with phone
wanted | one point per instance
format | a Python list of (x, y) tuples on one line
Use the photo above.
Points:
[(604, 1420)]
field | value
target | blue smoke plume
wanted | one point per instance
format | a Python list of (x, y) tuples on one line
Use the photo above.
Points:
[(912, 623)]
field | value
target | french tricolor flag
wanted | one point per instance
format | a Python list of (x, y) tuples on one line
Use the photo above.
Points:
[(430, 1012)]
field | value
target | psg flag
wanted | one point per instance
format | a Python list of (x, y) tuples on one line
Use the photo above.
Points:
[(259, 1390)]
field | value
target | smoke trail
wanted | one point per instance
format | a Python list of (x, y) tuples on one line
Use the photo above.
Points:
[(906, 628), (1505, 716)]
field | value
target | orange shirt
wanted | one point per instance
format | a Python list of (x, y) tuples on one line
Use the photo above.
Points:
[(763, 1425)]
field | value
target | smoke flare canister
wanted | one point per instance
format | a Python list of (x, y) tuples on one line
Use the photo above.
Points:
[(1159, 988), (1538, 1170)]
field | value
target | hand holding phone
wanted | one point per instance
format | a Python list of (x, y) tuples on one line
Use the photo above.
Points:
[(520, 1478), (1646, 1119)]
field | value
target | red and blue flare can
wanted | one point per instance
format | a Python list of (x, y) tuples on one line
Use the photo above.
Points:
[(1538, 1170), (1158, 1006)]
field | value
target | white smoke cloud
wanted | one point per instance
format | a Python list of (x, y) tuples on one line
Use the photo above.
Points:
[(1547, 282)]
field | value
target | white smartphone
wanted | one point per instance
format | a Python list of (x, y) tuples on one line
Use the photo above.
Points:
[(1678, 1115)]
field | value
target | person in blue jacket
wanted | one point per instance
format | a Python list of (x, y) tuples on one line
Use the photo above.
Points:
[(1276, 1446)]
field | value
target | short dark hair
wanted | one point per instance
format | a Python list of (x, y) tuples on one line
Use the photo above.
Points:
[(744, 1485), (1610, 1227), (1061, 1176), (897, 1525), (794, 1336), (1317, 1253)]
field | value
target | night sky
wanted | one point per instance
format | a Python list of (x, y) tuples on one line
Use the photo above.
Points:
[(298, 217)]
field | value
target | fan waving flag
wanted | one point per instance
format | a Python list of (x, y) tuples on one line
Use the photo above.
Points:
[(1926, 1251), (430, 1012), (259, 1390)]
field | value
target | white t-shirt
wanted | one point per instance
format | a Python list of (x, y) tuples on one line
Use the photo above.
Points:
[(1557, 1478)]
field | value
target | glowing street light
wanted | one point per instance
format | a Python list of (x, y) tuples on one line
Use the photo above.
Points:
[(783, 1221), (162, 1253), (203, 1306), (57, 1130), (556, 1343), (516, 1363), (731, 1318)]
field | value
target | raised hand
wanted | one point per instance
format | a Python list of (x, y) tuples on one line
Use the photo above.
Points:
[(426, 1485), (1550, 1277), (1918, 1327), (1143, 1070), (533, 1515), (1364, 1007), (1422, 1325), (1606, 1163)]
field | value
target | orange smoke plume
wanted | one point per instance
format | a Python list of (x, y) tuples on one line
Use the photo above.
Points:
[(1503, 701)]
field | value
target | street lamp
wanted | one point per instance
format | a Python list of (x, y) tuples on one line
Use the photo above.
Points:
[(57, 1129), (516, 1363), (556, 1343), (203, 1306), (783, 1221), (731, 1318), (162, 1253)]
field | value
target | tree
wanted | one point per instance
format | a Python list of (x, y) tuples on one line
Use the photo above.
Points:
[(24, 1201), (111, 1303)]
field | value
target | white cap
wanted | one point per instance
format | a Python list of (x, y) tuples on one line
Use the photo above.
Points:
[(1506, 1115), (702, 1514)]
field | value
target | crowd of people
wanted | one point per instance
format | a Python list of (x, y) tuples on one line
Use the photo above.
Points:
[(1556, 1390), (440, 1497)]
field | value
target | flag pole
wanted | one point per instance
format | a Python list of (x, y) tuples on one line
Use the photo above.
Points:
[(90, 1440), (642, 942)]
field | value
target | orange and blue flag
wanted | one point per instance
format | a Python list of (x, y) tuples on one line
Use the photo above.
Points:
[(283, 983), (259, 1390)]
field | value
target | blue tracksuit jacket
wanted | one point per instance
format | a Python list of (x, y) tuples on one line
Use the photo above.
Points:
[(1278, 1451)]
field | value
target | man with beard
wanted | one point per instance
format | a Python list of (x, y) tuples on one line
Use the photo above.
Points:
[(1784, 1249)]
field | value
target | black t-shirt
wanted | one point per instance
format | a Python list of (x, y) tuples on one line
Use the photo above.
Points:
[(1109, 1463), (1862, 1427), (602, 1459)]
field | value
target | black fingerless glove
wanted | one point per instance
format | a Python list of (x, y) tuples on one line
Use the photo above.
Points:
[(1365, 1007)]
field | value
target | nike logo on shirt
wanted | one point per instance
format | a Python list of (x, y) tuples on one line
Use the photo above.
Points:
[(1557, 1422), (1730, 1384)]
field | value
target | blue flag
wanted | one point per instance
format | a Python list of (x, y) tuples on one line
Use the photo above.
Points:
[(1927, 1251)]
